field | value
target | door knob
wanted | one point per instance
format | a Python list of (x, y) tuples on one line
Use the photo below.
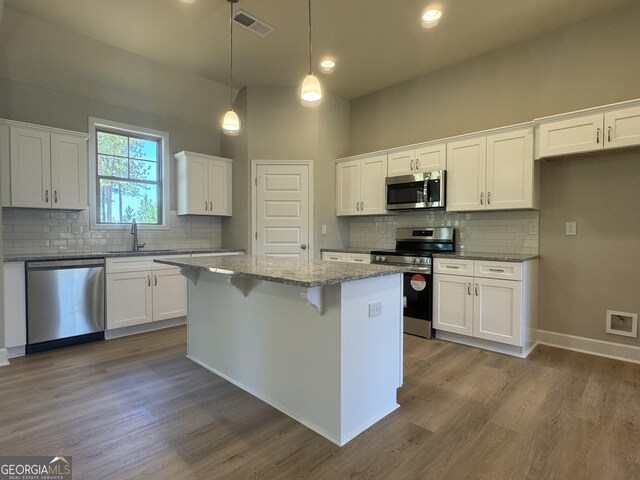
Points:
[(303, 246)]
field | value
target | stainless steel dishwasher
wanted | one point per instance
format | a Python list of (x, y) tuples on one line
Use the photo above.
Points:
[(65, 303)]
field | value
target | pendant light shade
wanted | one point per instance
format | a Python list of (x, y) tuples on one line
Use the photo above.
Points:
[(310, 92), (231, 122)]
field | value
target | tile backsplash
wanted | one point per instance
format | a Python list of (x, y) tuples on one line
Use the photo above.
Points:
[(54, 231), (513, 231)]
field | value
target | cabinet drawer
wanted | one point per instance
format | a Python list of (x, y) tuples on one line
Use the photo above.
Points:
[(453, 266), (335, 256), (500, 270), (359, 258)]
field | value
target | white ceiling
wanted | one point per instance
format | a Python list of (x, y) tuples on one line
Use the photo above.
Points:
[(377, 43)]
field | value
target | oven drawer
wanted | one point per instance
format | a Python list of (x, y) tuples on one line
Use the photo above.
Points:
[(500, 270), (453, 266)]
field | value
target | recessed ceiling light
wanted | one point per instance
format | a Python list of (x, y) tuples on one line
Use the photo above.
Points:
[(327, 65), (430, 17), (187, 1)]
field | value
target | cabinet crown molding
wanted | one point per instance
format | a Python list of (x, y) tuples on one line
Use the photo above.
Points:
[(44, 128), (588, 111), (184, 154)]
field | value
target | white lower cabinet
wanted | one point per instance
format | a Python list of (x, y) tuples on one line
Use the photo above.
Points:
[(15, 305), (141, 291), (497, 303), (346, 257)]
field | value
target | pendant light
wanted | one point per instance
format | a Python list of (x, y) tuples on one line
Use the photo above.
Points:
[(310, 93), (231, 122)]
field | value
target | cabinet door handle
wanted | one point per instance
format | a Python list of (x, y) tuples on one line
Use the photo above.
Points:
[(55, 196), (468, 288), (417, 164), (155, 280), (488, 198), (609, 134), (598, 135), (148, 280), (411, 165), (476, 289), (211, 206), (206, 206), (482, 198), (46, 196)]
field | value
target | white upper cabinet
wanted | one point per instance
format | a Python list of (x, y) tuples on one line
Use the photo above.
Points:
[(204, 184), (47, 167), (597, 129), (360, 186), (416, 160), (492, 172), (466, 173)]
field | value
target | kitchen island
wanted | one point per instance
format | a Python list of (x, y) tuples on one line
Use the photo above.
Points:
[(319, 341)]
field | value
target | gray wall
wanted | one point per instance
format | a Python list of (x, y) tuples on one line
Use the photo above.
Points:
[(587, 64), (278, 127)]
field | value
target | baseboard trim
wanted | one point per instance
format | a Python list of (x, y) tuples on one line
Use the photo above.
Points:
[(600, 348), (4, 357)]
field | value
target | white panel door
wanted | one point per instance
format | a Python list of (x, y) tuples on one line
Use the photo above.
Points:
[(583, 134), (373, 172), (453, 304), (282, 210), (497, 310), (401, 163), (431, 157), (30, 168), (68, 171), (466, 165), (169, 294), (348, 188), (197, 182), (622, 128), (509, 181), (129, 299)]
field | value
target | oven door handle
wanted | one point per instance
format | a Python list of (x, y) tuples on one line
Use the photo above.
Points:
[(426, 270)]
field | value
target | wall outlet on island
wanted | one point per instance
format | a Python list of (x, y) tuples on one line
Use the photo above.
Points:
[(375, 309)]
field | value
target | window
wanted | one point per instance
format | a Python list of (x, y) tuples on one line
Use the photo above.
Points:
[(128, 168)]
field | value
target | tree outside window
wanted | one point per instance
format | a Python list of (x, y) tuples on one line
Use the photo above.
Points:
[(129, 176)]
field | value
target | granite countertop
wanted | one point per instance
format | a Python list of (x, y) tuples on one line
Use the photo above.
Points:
[(491, 257), (314, 273), (346, 250), (22, 257)]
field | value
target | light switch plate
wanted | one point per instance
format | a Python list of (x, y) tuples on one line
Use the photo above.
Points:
[(571, 228), (324, 229), (375, 309)]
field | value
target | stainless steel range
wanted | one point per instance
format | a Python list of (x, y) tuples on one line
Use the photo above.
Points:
[(414, 249)]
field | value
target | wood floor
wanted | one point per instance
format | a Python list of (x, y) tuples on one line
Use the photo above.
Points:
[(136, 408)]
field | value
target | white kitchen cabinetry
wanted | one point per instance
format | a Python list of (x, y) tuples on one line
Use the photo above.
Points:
[(346, 257), (15, 307), (142, 291), (360, 186), (416, 160), (493, 307), (46, 167), (204, 184), (587, 132), (492, 172)]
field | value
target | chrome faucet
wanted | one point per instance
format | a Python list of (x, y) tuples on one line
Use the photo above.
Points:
[(134, 231)]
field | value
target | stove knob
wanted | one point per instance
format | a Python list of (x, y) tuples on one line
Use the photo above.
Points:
[(383, 259), (416, 260), (378, 257)]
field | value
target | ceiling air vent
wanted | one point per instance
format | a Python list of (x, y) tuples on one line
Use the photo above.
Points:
[(250, 22)]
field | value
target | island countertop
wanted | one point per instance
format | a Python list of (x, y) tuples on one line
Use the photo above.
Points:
[(302, 273)]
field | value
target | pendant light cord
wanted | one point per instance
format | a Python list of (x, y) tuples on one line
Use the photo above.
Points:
[(310, 44), (231, 55)]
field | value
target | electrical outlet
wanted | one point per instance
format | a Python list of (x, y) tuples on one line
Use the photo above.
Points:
[(375, 309), (324, 229), (571, 228), (533, 229)]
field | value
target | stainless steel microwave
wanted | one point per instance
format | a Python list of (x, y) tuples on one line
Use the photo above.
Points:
[(418, 191)]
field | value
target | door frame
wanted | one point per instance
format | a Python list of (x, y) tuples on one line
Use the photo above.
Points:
[(254, 198)]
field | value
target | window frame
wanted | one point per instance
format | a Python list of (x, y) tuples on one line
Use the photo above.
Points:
[(96, 124)]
